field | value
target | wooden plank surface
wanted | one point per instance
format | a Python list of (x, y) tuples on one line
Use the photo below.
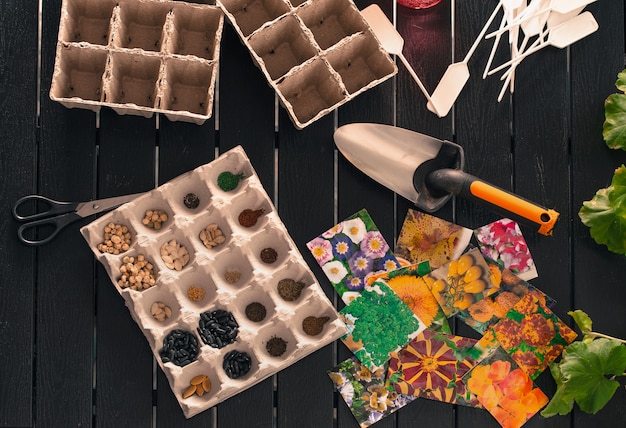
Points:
[(69, 349)]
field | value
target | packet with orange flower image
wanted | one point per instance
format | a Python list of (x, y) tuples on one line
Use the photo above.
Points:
[(505, 390), (507, 289), (367, 393), (532, 334), (432, 365), (425, 237)]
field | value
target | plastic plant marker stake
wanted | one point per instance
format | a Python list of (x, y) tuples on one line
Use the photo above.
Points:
[(390, 39), (556, 18), (494, 48), (509, 75), (564, 6), (560, 36), (456, 75)]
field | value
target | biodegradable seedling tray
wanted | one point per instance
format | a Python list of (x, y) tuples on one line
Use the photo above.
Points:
[(250, 263), (316, 54), (138, 57)]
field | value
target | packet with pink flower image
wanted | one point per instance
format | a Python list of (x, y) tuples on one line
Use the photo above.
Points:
[(503, 242), (350, 252)]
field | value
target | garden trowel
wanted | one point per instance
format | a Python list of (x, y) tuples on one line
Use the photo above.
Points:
[(428, 171)]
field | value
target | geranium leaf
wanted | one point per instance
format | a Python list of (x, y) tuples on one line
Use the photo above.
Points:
[(605, 214), (614, 128), (583, 370), (559, 404), (582, 320)]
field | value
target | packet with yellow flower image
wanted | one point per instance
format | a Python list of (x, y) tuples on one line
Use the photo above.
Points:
[(424, 237)]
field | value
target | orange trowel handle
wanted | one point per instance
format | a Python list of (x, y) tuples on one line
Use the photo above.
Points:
[(499, 200)]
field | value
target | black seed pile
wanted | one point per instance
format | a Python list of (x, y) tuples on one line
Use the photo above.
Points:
[(179, 347), (191, 201), (236, 364), (218, 328)]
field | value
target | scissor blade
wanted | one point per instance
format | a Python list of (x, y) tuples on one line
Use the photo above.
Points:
[(86, 209)]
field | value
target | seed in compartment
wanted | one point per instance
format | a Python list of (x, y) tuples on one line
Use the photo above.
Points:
[(137, 273), (175, 255), (269, 255), (212, 236), (195, 293), (154, 219), (232, 276), (191, 201), (248, 217), (256, 312), (218, 328), (116, 239), (160, 311), (276, 346), (314, 325), (290, 289), (180, 347), (228, 181), (199, 385), (236, 364)]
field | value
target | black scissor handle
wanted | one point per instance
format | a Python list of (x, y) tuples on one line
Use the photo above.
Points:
[(53, 207), (57, 223)]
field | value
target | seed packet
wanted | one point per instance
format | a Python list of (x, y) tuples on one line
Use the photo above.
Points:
[(424, 237), (378, 323), (350, 252), (460, 283), (507, 290), (532, 334), (365, 392), (432, 366), (505, 390), (503, 242), (408, 283)]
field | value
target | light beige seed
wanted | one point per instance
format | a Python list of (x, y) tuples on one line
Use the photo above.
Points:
[(206, 384)]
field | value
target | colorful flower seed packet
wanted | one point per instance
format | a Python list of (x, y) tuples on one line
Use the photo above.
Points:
[(503, 242), (507, 289), (432, 366), (461, 283), (505, 390), (366, 393), (408, 283), (532, 334), (351, 251), (425, 237), (378, 323)]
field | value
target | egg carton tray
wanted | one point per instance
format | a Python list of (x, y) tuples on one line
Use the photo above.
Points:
[(234, 276), (138, 57), (316, 54)]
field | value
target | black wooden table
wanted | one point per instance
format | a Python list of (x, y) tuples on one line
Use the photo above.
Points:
[(70, 354)]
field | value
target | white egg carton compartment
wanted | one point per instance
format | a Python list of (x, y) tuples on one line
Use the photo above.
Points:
[(240, 275), (138, 57), (316, 54)]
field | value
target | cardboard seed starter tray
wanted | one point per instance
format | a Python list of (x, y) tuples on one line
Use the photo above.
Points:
[(316, 54), (138, 57), (234, 310)]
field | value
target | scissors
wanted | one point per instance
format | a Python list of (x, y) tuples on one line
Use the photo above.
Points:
[(58, 214)]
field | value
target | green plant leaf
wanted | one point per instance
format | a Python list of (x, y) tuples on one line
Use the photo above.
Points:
[(582, 320), (584, 368), (614, 128), (559, 404), (605, 214)]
